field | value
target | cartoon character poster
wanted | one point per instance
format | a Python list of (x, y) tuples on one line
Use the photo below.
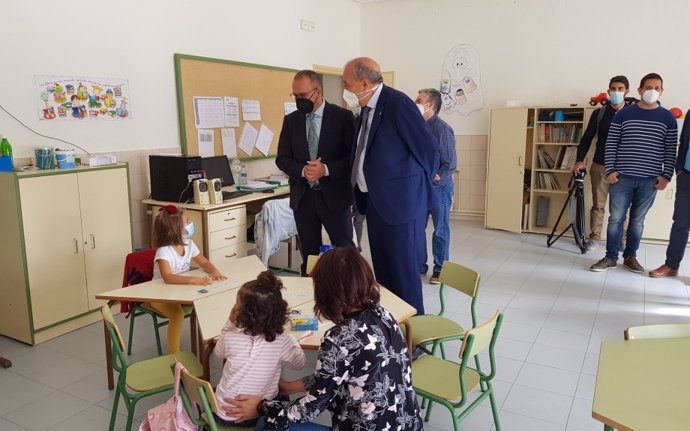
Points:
[(81, 98), (461, 87)]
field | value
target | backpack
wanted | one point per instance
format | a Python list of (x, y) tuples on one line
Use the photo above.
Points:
[(171, 415)]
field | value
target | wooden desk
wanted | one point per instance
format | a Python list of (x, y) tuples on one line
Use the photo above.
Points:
[(212, 312), (238, 271), (221, 229), (643, 385)]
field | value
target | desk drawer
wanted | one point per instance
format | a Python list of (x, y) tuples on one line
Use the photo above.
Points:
[(227, 218), (230, 252), (227, 237)]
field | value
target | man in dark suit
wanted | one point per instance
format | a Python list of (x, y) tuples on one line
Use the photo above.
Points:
[(394, 164), (314, 150)]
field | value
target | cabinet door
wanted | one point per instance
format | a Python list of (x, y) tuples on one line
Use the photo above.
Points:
[(506, 163), (106, 228), (54, 252)]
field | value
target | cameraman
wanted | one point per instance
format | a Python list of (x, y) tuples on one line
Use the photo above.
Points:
[(598, 126)]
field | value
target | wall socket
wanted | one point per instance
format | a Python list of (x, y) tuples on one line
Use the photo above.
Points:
[(306, 25)]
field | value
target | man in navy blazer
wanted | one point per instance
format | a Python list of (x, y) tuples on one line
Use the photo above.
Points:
[(314, 151), (394, 163)]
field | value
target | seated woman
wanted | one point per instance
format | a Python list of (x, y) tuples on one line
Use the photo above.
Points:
[(363, 374)]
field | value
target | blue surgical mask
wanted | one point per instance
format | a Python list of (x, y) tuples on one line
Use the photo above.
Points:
[(616, 97), (190, 230)]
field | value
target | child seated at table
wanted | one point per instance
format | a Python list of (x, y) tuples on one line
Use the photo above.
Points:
[(172, 233), (254, 345)]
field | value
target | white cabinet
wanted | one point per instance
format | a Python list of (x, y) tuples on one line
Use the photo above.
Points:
[(518, 140), (73, 231)]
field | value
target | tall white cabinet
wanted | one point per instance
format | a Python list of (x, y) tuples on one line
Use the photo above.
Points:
[(518, 140), (64, 236)]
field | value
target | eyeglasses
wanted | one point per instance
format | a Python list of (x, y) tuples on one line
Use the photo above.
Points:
[(306, 95)]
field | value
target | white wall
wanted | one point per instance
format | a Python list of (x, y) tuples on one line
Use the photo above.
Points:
[(540, 52), (136, 39)]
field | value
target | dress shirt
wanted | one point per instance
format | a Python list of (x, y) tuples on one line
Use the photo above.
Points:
[(361, 181)]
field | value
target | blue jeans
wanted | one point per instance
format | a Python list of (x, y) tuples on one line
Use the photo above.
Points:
[(681, 221), (441, 199), (307, 426), (636, 194)]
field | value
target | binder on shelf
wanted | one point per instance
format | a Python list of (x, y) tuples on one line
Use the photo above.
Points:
[(542, 211)]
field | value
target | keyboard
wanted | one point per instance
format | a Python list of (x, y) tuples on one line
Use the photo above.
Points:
[(235, 194)]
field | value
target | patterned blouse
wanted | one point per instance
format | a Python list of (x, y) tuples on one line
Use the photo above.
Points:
[(362, 377)]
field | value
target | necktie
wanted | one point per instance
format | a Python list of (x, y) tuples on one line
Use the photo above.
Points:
[(361, 143), (312, 137)]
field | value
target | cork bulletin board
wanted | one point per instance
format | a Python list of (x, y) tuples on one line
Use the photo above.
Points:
[(211, 77)]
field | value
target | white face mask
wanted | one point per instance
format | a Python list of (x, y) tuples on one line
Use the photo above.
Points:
[(352, 99), (421, 108), (650, 96)]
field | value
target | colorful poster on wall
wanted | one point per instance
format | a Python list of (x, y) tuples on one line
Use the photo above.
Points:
[(82, 98)]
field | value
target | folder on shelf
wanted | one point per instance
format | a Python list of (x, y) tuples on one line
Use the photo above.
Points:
[(542, 211)]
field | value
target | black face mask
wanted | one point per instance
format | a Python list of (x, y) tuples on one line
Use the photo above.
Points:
[(305, 106)]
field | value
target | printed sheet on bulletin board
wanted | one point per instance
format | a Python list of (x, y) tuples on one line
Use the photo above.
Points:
[(231, 108)]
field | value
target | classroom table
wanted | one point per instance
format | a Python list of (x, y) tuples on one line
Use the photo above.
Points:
[(643, 385), (212, 313), (212, 304), (238, 271)]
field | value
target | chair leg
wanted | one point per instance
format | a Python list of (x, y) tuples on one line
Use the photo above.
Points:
[(482, 385), (132, 315), (113, 414), (428, 411), (425, 401), (443, 351), (193, 334), (494, 408), (108, 358)]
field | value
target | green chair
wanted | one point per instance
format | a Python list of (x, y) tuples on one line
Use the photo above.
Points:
[(141, 379), (436, 329), (448, 383), (200, 403), (679, 330), (139, 269), (143, 309)]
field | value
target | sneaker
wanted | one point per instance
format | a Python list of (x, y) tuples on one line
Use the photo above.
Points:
[(591, 244), (604, 264), (633, 265), (436, 278)]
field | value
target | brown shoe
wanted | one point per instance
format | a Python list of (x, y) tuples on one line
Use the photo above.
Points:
[(663, 271), (633, 265)]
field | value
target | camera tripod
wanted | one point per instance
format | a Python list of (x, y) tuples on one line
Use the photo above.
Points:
[(577, 186)]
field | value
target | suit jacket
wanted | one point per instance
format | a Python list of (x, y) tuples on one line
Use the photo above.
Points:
[(335, 147), (401, 159)]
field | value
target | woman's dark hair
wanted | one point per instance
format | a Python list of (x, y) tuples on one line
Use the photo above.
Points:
[(262, 308), (343, 282)]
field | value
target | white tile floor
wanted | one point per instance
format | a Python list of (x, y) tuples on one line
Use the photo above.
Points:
[(556, 314)]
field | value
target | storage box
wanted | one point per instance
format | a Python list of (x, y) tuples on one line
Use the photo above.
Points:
[(106, 159)]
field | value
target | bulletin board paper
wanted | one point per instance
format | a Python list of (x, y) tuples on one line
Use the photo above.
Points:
[(210, 77)]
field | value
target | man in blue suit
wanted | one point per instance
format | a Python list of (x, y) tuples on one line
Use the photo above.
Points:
[(394, 163)]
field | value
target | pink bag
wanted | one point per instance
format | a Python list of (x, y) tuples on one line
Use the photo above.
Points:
[(170, 416)]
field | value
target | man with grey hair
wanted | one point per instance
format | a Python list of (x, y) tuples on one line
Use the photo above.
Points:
[(429, 103), (393, 166)]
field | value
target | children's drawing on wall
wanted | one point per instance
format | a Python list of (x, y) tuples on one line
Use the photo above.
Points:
[(79, 98), (461, 87)]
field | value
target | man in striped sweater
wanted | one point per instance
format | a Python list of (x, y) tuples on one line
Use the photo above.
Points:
[(640, 157)]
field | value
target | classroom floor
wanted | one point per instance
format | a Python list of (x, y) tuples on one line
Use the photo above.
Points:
[(556, 314)]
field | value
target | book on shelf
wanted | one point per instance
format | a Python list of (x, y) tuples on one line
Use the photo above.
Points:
[(542, 211), (525, 217)]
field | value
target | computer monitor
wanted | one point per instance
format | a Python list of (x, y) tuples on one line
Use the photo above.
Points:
[(218, 167)]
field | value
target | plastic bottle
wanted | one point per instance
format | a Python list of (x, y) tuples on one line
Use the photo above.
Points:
[(243, 174), (236, 169), (326, 248), (6, 149)]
